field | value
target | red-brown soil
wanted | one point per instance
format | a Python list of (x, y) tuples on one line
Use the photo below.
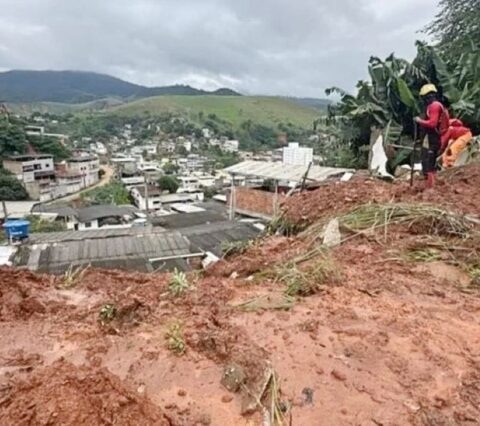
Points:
[(457, 189), (390, 343), (66, 394)]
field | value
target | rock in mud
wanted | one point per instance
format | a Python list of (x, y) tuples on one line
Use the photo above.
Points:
[(331, 235), (233, 377), (339, 375)]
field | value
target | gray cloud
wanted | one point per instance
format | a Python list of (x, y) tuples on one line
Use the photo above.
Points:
[(263, 46)]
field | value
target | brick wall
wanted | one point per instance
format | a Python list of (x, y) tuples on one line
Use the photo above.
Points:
[(255, 201)]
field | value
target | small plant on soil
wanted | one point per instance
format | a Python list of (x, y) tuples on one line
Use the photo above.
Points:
[(73, 276), (283, 302), (422, 255), (108, 312), (280, 225), (175, 339), (178, 283), (309, 280), (229, 248)]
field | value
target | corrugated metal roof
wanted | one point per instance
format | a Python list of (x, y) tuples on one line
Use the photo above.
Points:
[(18, 208), (63, 210), (183, 220), (213, 236), (127, 252), (51, 237), (87, 214), (283, 172)]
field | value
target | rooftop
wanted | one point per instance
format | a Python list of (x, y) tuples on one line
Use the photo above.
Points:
[(82, 158), (213, 237), (17, 209), (29, 157), (86, 214), (283, 172), (127, 251), (152, 190)]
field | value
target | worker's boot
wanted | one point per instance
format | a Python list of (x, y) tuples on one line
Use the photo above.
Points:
[(431, 180)]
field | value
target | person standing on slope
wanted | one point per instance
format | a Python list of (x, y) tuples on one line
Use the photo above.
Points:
[(436, 126)]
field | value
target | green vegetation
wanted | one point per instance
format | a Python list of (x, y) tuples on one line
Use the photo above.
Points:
[(112, 193), (72, 277), (235, 110), (456, 27), (11, 188), (308, 280), (107, 313), (12, 137), (178, 284), (428, 217), (37, 224), (168, 183), (170, 168), (49, 145), (13, 141), (390, 100)]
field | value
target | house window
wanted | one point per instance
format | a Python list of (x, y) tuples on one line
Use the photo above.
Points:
[(88, 224)]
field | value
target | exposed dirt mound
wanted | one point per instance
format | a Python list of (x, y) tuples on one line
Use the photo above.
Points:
[(392, 340), (68, 395), (458, 189), (21, 294)]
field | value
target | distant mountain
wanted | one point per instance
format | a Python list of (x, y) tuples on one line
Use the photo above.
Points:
[(80, 87), (316, 103)]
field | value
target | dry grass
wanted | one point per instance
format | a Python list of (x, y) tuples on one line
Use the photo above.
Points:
[(266, 302), (174, 338)]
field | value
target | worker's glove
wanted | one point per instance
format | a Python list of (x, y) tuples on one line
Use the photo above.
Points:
[(417, 119)]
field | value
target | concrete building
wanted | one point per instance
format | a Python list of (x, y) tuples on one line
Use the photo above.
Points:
[(37, 172), (140, 195), (231, 145), (133, 181), (85, 165), (188, 184), (296, 155)]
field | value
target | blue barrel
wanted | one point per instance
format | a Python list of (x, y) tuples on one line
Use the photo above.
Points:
[(16, 229)]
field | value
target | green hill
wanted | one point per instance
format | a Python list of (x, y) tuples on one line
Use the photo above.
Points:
[(268, 111), (24, 86)]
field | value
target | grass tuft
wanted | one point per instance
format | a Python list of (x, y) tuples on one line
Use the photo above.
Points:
[(178, 284)]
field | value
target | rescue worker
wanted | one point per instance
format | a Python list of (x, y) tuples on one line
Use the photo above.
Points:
[(436, 126), (459, 137)]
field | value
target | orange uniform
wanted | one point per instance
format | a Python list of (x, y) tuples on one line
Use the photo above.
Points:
[(459, 137)]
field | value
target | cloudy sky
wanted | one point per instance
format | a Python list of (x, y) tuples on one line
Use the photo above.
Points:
[(287, 47)]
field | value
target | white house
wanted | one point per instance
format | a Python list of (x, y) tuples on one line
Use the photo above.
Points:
[(140, 195), (85, 165), (231, 145), (296, 155)]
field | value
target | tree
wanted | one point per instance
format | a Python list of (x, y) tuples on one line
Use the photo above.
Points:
[(168, 183), (112, 193), (456, 27), (50, 145), (170, 168), (11, 188), (12, 138)]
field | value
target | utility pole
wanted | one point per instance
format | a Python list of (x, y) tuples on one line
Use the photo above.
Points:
[(146, 192)]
